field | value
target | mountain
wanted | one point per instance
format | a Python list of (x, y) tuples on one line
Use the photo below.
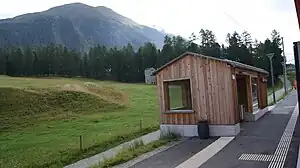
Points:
[(77, 26)]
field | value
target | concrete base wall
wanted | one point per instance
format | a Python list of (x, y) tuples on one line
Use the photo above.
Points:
[(191, 130), (255, 115), (183, 130), (224, 130)]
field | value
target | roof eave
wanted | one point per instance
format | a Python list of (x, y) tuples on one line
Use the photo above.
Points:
[(170, 62), (250, 69), (230, 62)]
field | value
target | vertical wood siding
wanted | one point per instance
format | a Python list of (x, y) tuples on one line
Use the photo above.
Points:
[(235, 97), (212, 92), (262, 94), (249, 104)]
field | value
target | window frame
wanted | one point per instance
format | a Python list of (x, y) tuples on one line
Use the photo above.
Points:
[(182, 81)]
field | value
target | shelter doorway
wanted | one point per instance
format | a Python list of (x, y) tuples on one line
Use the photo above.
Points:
[(242, 95)]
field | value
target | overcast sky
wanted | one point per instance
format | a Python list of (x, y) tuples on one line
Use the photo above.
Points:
[(183, 17)]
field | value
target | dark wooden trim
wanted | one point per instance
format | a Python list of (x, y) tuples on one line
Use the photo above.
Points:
[(176, 80), (179, 111), (185, 84), (249, 105), (235, 97), (166, 95)]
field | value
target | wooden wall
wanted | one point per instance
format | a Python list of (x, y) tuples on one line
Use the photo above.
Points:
[(211, 91), (263, 92)]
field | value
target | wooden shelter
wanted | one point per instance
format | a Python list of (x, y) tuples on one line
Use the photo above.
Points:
[(194, 87)]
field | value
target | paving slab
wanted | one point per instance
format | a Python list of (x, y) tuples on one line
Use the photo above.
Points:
[(292, 157), (260, 137), (175, 155)]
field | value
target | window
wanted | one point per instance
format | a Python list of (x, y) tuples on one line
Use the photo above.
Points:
[(178, 95)]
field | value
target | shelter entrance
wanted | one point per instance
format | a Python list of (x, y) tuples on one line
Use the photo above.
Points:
[(251, 94), (241, 95), (246, 94)]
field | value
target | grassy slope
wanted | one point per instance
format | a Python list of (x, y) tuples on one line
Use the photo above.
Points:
[(277, 86), (51, 135), (291, 77)]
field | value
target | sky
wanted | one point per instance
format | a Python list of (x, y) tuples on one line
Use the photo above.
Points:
[(183, 17)]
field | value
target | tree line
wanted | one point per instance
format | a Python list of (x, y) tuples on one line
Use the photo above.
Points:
[(127, 65)]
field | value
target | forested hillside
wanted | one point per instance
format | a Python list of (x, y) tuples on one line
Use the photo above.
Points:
[(126, 65)]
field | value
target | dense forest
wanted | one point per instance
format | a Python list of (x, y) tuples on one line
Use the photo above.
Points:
[(127, 65)]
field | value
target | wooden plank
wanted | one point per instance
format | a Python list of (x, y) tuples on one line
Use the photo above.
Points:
[(193, 89), (174, 118), (203, 89), (235, 98), (176, 79), (169, 74), (265, 88), (212, 92), (222, 94), (200, 88), (229, 96), (206, 89), (210, 99), (259, 92), (196, 91), (172, 74), (187, 64), (223, 97), (176, 71), (159, 94), (264, 94), (167, 96), (232, 96), (180, 119), (216, 114), (232, 100), (246, 72), (228, 93), (179, 66), (260, 100), (249, 94), (182, 75), (163, 97), (166, 99)]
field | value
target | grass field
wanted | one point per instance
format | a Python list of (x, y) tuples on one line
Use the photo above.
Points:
[(42, 119)]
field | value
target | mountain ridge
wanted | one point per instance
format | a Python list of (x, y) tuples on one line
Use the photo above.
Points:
[(77, 26)]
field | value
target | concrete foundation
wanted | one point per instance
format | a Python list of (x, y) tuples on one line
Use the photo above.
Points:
[(255, 115), (224, 130), (191, 130)]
